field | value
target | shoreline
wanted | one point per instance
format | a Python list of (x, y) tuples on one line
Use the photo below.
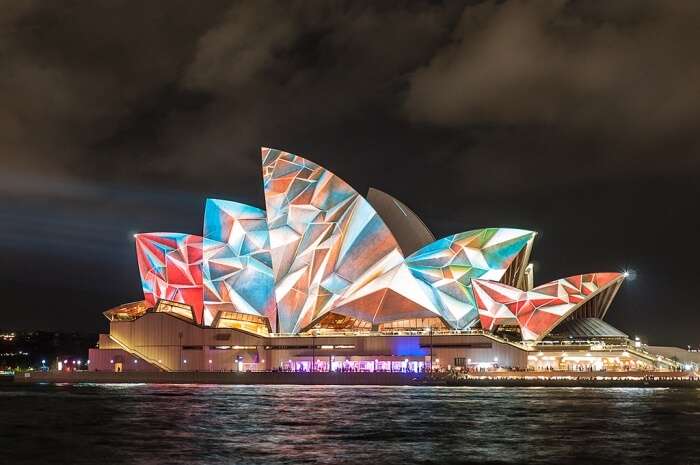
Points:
[(499, 379)]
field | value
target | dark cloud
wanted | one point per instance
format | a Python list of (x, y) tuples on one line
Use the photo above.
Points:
[(576, 119), (612, 82), (313, 68), (74, 73), (160, 83), (631, 66)]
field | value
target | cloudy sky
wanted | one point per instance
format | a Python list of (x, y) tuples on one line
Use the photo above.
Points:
[(575, 119)]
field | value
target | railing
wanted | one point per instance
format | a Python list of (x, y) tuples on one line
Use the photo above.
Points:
[(649, 356), (441, 332), (596, 347)]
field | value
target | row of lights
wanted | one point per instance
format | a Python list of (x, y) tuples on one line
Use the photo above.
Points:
[(136, 361), (588, 354)]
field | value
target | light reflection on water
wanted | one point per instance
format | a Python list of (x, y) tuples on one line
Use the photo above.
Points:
[(196, 424)]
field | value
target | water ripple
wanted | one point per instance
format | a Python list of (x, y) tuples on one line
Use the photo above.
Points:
[(211, 424)]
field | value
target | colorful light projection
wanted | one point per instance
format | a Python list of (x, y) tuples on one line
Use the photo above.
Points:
[(320, 248), (171, 268), (323, 237), (541, 309), (237, 267), (448, 266), (386, 293)]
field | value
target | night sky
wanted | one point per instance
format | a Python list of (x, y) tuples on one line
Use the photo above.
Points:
[(578, 120)]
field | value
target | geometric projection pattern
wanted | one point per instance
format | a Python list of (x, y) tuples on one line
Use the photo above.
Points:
[(387, 293), (237, 268), (323, 237), (448, 266), (322, 250), (170, 265), (541, 309)]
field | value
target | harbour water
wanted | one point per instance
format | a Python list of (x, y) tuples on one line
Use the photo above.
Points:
[(207, 424)]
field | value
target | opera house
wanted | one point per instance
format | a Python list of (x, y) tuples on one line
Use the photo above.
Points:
[(324, 279)]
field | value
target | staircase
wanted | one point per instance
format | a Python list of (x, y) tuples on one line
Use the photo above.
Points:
[(138, 354)]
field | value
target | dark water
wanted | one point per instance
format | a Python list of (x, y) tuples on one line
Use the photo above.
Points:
[(154, 424)]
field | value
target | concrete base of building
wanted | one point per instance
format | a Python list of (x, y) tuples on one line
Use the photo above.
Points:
[(501, 378), (202, 377), (160, 342), (626, 379)]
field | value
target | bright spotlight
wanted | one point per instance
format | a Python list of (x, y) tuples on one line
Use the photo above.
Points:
[(629, 274)]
